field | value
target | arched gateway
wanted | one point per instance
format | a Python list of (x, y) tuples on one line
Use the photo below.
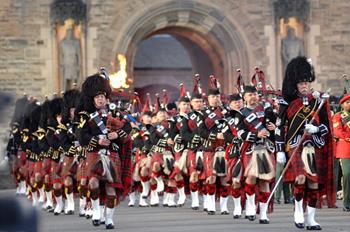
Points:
[(221, 39)]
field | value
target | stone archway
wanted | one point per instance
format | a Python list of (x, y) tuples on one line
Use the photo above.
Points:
[(202, 24)]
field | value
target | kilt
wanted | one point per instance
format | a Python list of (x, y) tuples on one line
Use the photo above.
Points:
[(20, 160), (66, 166), (81, 170), (230, 165), (176, 169), (157, 157), (250, 166), (46, 167), (38, 167), (209, 163), (94, 168), (30, 169), (19, 164), (55, 173), (297, 166), (191, 162)]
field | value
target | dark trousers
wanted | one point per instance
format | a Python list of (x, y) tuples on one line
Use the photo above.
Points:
[(345, 165)]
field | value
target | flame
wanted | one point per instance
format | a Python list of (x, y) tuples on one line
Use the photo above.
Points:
[(118, 79)]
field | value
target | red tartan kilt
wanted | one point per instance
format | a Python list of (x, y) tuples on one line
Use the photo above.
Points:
[(67, 164), (142, 161), (81, 170), (30, 169), (55, 172), (176, 169), (208, 163), (244, 157), (230, 165), (38, 167), (93, 169), (157, 158), (296, 167), (191, 162), (46, 168), (20, 160)]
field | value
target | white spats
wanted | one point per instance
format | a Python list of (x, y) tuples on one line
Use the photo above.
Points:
[(250, 208), (132, 199), (194, 199), (298, 211), (160, 184), (182, 196), (263, 211), (35, 198), (82, 204), (96, 211), (59, 205), (171, 200), (310, 221), (49, 202), (144, 193), (109, 216), (205, 202), (237, 212), (211, 203), (154, 201), (69, 207), (42, 195), (223, 205)]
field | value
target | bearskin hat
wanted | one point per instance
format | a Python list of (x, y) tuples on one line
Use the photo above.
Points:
[(70, 100), (54, 109), (44, 114), (35, 118), (19, 110), (298, 70), (93, 86), (28, 115)]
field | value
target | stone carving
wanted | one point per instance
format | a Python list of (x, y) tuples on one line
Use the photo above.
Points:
[(292, 47), (69, 60)]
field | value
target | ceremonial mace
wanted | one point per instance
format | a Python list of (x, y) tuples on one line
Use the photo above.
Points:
[(316, 95)]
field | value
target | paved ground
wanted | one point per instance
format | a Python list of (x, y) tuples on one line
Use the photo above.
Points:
[(184, 219)]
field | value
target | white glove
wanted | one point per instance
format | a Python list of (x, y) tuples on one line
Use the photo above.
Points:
[(311, 129), (281, 157)]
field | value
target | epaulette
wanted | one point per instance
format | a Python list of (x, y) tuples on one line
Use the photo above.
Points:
[(62, 126)]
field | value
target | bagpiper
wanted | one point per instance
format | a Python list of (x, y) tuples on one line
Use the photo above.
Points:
[(303, 136), (108, 164)]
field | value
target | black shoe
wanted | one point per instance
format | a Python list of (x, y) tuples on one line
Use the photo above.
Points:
[(225, 213), (88, 216), (56, 213), (299, 225), (316, 227), (155, 205), (96, 222), (278, 201), (236, 216), (195, 208), (205, 209), (50, 209), (82, 215), (346, 209), (287, 201), (165, 205), (211, 212), (131, 206), (109, 227), (251, 218), (264, 221), (102, 222)]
